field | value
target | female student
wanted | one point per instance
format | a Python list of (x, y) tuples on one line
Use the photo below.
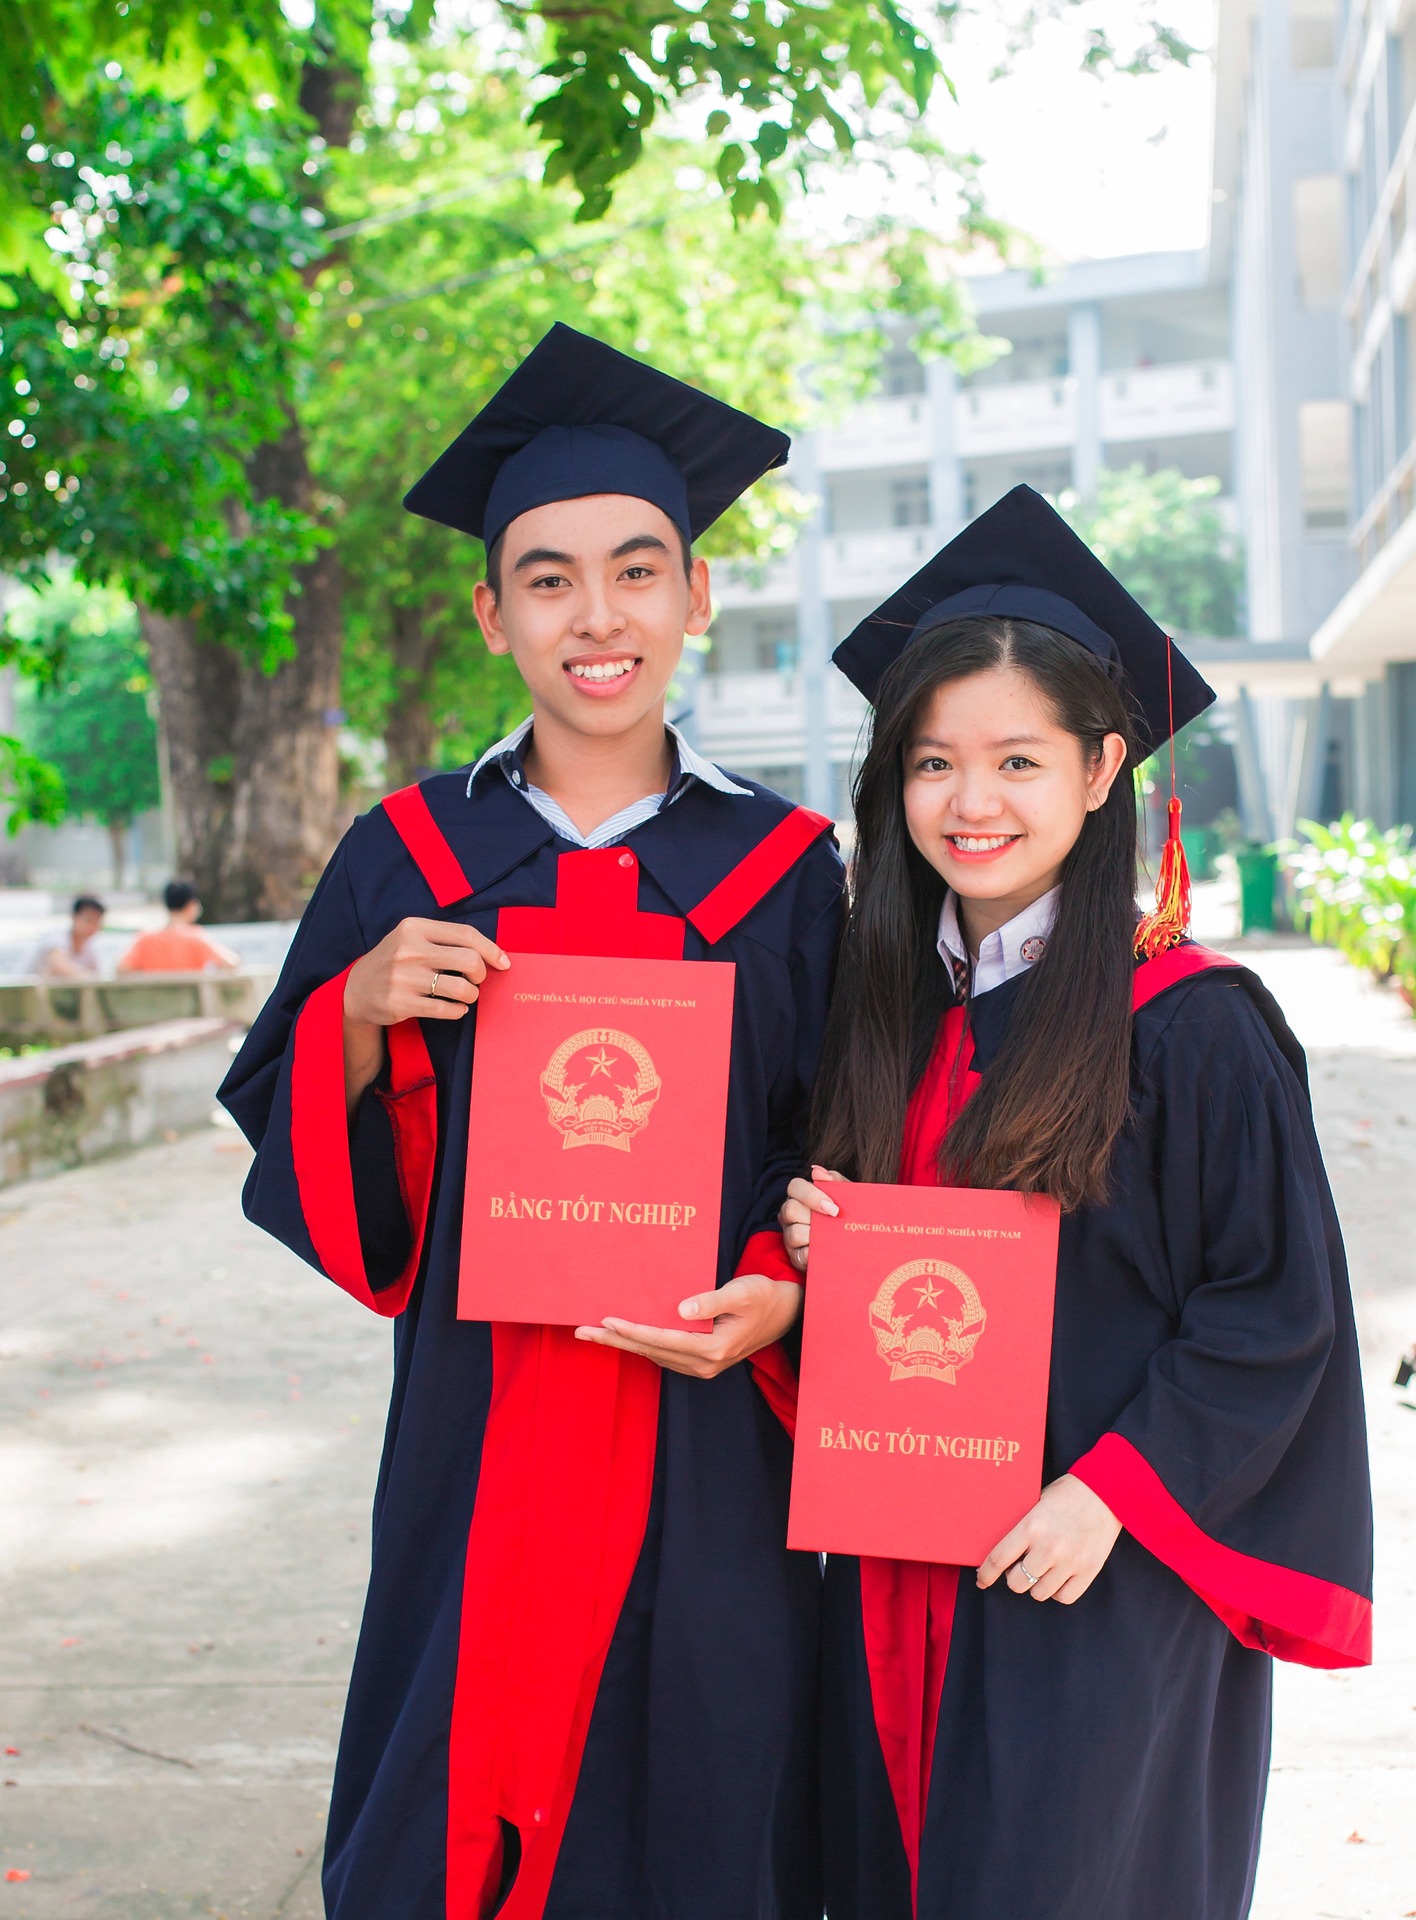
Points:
[(1079, 1730)]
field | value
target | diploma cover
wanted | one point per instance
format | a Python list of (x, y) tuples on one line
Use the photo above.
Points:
[(595, 1146), (926, 1345)]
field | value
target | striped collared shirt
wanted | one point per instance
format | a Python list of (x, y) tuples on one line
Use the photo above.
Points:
[(510, 756)]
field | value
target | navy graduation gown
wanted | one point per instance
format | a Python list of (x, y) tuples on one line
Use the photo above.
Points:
[(543, 1716), (1107, 1760)]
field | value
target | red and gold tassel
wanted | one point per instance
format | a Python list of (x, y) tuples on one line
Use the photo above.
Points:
[(1169, 922)]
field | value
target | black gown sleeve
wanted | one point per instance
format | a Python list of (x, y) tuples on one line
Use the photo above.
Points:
[(1242, 1462), (349, 1195)]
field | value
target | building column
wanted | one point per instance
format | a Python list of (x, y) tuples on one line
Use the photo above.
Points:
[(946, 475), (1084, 364), (814, 628), (1254, 808)]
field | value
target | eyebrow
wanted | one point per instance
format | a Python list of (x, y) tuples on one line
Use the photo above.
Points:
[(1016, 740), (550, 556)]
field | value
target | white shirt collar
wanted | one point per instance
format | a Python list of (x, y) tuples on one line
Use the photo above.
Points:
[(1012, 949), (510, 752)]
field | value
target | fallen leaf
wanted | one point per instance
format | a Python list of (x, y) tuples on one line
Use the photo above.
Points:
[(17, 1873), (13, 1752), (72, 1641), (1355, 1839)]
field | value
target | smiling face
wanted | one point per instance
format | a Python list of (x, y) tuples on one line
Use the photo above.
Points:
[(593, 608), (996, 792)]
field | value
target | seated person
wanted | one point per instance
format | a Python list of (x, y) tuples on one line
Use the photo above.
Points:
[(177, 947), (72, 956)]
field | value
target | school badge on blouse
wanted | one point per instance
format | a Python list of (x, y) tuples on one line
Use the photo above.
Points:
[(599, 1088), (927, 1319)]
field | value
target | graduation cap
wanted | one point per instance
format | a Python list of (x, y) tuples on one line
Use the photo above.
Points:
[(577, 418), (1022, 559)]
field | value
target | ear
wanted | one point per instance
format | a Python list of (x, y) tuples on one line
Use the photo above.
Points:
[(1101, 776), (489, 619), (700, 599)]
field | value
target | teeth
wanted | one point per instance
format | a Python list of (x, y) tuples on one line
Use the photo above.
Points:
[(967, 843), (602, 669)]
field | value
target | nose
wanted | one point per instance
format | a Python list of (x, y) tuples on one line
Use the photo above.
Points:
[(975, 798), (597, 618)]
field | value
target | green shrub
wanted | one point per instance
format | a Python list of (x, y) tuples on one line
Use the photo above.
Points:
[(1356, 889)]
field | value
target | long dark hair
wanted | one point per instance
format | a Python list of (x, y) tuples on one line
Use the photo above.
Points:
[(1052, 1103)]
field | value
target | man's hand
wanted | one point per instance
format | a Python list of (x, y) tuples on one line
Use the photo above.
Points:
[(1064, 1543), (422, 970), (747, 1314), (805, 1197)]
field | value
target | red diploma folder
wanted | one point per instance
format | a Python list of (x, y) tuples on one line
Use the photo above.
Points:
[(926, 1345), (595, 1150)]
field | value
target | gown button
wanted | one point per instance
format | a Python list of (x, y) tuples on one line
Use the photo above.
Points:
[(626, 859), (539, 1815)]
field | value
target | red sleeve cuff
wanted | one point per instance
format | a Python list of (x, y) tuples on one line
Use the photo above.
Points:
[(319, 1142), (1292, 1615), (766, 1253)]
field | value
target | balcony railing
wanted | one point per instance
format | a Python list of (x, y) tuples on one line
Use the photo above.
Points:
[(1145, 403), (884, 433), (759, 719), (863, 566), (1021, 417)]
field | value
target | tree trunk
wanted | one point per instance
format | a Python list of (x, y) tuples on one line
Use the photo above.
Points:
[(410, 733), (254, 755), (117, 837)]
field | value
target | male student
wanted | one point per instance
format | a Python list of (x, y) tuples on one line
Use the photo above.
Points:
[(584, 1686), (177, 947)]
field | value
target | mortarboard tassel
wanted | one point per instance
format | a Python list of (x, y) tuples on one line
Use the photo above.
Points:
[(1169, 922)]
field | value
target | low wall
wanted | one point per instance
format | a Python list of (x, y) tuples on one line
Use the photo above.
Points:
[(54, 1011), (73, 1104)]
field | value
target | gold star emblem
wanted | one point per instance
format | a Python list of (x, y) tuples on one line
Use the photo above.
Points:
[(601, 1062), (929, 1295)]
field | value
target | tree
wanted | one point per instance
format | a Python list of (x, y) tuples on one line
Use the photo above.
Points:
[(91, 721), (1168, 542)]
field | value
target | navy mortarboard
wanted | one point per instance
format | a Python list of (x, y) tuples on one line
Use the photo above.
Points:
[(1021, 558), (578, 418)]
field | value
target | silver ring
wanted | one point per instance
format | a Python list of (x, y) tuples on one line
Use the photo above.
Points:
[(1031, 1578), (433, 989)]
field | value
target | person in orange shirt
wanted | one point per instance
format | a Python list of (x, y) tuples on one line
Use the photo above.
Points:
[(177, 947)]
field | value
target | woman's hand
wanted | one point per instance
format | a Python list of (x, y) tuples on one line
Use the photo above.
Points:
[(1064, 1542), (804, 1197), (423, 970), (747, 1314)]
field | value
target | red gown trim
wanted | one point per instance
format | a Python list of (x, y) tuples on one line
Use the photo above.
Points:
[(755, 875), (319, 1142), (415, 826), (562, 1502), (1293, 1616)]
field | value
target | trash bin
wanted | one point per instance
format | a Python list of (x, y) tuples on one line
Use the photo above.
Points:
[(1200, 848), (1258, 877)]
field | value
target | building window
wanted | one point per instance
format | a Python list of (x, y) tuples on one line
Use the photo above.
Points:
[(909, 501), (1314, 30), (774, 643), (1317, 232), (1325, 454), (901, 372)]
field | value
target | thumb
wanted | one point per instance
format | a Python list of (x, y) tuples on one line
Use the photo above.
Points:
[(707, 1306)]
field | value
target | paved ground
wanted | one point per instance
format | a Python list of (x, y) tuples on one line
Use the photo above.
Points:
[(190, 1430)]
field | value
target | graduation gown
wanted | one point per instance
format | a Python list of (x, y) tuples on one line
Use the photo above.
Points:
[(989, 1757), (585, 1682)]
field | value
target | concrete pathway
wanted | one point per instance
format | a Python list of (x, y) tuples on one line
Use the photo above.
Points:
[(190, 1433)]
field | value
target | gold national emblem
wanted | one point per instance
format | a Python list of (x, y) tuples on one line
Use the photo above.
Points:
[(926, 1318), (599, 1087)]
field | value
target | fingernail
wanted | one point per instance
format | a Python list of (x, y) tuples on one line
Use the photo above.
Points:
[(503, 961), (832, 1209), (689, 1310)]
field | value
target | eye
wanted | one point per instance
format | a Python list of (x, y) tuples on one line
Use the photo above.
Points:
[(639, 571), (932, 763), (1019, 763), (550, 580)]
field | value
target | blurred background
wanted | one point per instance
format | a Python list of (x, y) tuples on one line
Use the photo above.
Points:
[(260, 260)]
